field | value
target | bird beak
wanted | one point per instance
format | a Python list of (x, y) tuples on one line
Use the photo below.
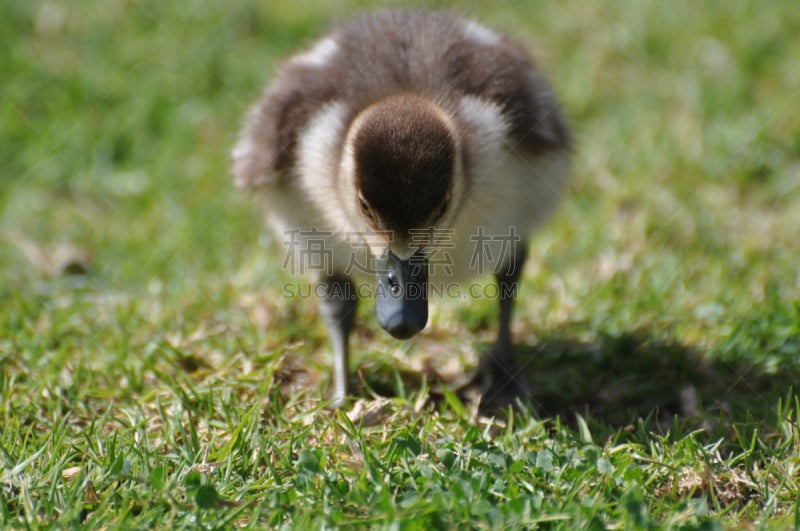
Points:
[(402, 298)]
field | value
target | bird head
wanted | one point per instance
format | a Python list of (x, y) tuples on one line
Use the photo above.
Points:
[(402, 167)]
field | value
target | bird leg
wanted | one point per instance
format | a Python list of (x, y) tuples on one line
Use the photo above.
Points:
[(338, 301), (502, 377)]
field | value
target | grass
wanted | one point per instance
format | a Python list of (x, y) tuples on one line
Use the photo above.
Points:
[(153, 376)]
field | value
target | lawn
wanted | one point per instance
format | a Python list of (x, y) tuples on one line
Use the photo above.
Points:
[(154, 375)]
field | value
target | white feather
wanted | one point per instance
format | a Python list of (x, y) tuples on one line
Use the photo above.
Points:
[(320, 54), (481, 34)]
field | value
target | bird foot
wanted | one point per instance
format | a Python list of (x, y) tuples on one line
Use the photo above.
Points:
[(500, 380), (336, 402)]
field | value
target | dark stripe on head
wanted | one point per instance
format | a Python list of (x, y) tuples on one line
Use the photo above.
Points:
[(404, 159)]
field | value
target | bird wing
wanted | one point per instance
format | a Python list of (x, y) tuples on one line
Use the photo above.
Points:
[(502, 72), (268, 139)]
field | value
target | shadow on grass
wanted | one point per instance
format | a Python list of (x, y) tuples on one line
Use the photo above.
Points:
[(618, 380)]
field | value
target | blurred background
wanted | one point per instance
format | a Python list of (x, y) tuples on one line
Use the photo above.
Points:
[(117, 211)]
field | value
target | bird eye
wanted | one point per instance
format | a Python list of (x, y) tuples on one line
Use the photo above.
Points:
[(441, 212), (365, 208)]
